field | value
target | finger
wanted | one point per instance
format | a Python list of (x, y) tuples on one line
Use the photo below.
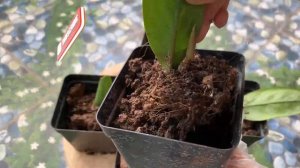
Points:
[(203, 31), (240, 158), (113, 70), (239, 154), (222, 15), (243, 163), (209, 14), (211, 10), (199, 2), (226, 3), (221, 18)]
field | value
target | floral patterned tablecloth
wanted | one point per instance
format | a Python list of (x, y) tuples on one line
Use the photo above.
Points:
[(267, 32)]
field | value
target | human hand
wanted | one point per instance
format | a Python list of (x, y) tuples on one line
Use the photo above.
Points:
[(215, 11), (113, 70), (241, 159)]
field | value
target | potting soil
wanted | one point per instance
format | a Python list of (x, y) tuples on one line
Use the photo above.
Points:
[(194, 103)]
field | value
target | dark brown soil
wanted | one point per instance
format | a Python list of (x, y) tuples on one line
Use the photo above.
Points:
[(81, 110), (249, 129), (174, 104)]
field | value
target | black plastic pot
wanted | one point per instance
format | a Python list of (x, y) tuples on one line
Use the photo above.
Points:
[(259, 126), (148, 151), (118, 160), (82, 140), (250, 86)]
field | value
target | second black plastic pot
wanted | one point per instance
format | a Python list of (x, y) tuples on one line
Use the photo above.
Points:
[(81, 140), (258, 126), (148, 151), (261, 128)]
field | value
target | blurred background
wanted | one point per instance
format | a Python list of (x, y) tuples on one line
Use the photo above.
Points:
[(267, 32)]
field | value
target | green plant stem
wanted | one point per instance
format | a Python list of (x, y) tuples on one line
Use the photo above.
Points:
[(103, 87)]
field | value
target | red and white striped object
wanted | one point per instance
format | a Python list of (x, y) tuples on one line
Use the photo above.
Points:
[(72, 33)]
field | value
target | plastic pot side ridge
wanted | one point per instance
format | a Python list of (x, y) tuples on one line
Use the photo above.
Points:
[(81, 140), (148, 151)]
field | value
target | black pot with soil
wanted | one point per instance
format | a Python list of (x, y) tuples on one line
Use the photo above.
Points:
[(75, 116), (186, 118), (253, 131)]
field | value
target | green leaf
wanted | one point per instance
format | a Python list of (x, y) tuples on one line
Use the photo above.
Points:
[(270, 111), (271, 96), (266, 104), (103, 87), (259, 153), (168, 25)]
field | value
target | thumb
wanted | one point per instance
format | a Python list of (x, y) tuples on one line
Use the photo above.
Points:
[(241, 159), (199, 2)]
